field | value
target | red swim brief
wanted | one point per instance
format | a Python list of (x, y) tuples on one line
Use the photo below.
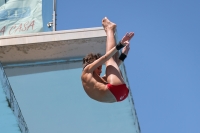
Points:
[(119, 91)]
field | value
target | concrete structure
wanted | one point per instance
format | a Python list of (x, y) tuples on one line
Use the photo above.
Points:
[(44, 71), (51, 45)]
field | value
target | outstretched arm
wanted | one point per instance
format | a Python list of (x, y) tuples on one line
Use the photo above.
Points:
[(126, 49), (125, 40), (91, 67)]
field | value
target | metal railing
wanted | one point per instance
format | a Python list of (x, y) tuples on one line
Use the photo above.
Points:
[(12, 102), (136, 122)]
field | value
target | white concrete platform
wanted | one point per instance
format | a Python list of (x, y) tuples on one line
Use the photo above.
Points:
[(55, 45)]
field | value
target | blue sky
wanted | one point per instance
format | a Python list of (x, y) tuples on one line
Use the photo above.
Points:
[(163, 65)]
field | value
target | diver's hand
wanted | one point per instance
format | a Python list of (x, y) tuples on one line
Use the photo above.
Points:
[(126, 49), (125, 40)]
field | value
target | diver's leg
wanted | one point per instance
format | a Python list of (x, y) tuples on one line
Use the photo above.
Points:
[(112, 70)]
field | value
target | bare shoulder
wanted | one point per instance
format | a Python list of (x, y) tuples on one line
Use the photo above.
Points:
[(86, 74), (86, 69)]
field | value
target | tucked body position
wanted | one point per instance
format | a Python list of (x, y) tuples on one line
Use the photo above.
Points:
[(111, 87)]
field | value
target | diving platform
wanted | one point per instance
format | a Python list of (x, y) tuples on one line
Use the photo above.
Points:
[(41, 72)]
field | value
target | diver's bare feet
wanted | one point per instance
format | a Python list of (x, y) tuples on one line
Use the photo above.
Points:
[(108, 25)]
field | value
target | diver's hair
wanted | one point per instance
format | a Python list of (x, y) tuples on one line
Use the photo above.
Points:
[(88, 59)]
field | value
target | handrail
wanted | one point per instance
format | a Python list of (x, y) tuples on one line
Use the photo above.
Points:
[(12, 102)]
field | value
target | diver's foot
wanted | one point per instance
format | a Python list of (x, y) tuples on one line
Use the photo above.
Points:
[(108, 25)]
